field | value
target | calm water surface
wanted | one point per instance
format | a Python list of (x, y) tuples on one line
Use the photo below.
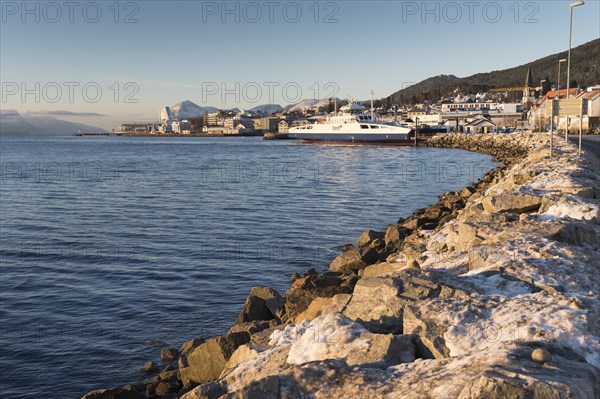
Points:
[(112, 248)]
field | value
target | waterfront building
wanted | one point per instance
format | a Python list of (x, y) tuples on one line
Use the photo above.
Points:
[(137, 127), (283, 127), (479, 124), (468, 107), (212, 119), (418, 113), (181, 127), (267, 124), (242, 118)]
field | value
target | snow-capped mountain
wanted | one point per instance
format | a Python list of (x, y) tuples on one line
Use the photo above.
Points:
[(301, 106), (267, 109), (187, 109), (308, 104), (12, 123)]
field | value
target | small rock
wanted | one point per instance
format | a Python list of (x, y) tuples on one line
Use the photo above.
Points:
[(168, 368), (263, 303), (347, 247), (467, 192), (165, 388), (169, 354), (540, 355), (294, 277), (413, 264), (149, 366)]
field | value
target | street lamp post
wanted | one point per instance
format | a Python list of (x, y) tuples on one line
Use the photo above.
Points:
[(540, 108), (558, 94), (558, 84), (573, 5)]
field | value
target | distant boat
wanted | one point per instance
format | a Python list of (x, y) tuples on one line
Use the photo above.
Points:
[(82, 134), (352, 125)]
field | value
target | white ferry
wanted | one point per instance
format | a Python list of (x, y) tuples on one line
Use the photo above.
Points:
[(352, 125)]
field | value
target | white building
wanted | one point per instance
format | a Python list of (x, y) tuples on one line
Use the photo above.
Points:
[(468, 107)]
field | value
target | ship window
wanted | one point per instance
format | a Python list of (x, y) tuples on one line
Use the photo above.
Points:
[(364, 126), (374, 127)]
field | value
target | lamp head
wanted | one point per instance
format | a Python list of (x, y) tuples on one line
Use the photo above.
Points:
[(577, 4)]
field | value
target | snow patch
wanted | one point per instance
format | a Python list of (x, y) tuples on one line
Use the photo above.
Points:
[(580, 211), (328, 337), (525, 317)]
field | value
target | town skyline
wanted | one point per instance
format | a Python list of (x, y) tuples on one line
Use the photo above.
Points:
[(222, 54)]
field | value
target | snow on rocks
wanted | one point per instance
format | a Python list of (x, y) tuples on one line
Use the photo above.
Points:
[(505, 302), (490, 293)]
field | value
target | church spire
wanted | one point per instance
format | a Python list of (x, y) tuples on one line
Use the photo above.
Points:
[(529, 79)]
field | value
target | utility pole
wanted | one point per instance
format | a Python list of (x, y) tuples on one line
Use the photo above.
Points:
[(416, 129)]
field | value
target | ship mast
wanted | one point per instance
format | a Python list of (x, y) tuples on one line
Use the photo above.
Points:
[(372, 109)]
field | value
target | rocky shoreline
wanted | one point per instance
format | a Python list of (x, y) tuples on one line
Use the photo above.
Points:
[(492, 292)]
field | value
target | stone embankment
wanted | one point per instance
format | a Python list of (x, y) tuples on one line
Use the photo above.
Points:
[(492, 292)]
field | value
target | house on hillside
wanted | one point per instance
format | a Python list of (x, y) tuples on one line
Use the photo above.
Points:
[(593, 108), (553, 94), (479, 124)]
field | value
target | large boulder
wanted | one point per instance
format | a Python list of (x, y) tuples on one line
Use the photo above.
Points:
[(336, 337), (312, 286), (313, 309), (392, 235), (368, 237), (374, 252), (413, 247), (213, 390), (241, 354), (208, 360), (383, 268), (512, 202), (568, 376), (263, 303), (431, 343), (573, 232), (464, 236), (376, 304), (189, 345), (350, 261)]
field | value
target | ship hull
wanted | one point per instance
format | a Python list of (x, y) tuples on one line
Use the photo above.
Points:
[(353, 138), (395, 143)]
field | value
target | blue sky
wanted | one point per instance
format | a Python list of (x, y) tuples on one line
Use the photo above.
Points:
[(229, 54)]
